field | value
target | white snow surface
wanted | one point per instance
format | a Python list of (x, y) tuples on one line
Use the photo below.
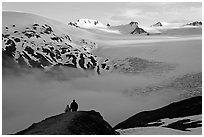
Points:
[(158, 131), (162, 130), (89, 23)]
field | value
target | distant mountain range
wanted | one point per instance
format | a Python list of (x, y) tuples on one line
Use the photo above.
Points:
[(160, 24), (130, 28)]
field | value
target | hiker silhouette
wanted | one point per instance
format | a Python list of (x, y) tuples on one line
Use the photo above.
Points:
[(67, 109), (74, 106)]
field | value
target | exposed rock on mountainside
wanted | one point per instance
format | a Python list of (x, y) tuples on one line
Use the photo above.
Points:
[(108, 25), (73, 24), (71, 123), (179, 115), (133, 23), (87, 45), (38, 45), (195, 23), (158, 24)]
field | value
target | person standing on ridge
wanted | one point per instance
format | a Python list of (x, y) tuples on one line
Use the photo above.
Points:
[(74, 106)]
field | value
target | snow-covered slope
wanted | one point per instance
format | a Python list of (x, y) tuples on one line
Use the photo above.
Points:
[(43, 43), (162, 130), (158, 131), (184, 117)]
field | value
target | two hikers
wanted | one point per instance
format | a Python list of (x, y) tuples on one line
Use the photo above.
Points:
[(73, 107)]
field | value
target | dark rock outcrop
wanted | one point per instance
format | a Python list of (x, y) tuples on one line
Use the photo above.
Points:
[(181, 109), (195, 23), (133, 23), (71, 123)]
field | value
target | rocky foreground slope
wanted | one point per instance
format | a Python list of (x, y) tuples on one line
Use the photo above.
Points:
[(71, 123)]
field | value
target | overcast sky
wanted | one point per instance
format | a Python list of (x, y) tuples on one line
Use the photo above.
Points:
[(114, 13)]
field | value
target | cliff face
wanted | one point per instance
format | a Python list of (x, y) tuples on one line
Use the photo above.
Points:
[(71, 123)]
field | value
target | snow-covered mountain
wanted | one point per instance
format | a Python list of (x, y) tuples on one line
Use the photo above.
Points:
[(167, 25), (131, 28), (182, 117), (41, 45), (92, 25), (89, 23)]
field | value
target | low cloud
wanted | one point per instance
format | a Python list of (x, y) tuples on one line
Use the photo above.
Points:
[(33, 95)]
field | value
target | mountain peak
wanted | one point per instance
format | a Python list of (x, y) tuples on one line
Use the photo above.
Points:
[(133, 23)]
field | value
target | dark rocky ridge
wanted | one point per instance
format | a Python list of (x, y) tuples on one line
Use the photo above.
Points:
[(184, 108), (71, 123)]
